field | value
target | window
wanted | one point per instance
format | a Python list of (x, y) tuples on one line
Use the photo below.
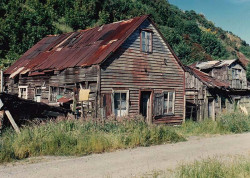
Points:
[(164, 103), (23, 92), (53, 93), (38, 94), (120, 103), (146, 41), (168, 107), (236, 73)]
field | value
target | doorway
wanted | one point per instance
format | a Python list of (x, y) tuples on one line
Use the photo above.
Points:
[(211, 108), (145, 105)]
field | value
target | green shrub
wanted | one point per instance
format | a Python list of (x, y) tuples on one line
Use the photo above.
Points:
[(234, 122)]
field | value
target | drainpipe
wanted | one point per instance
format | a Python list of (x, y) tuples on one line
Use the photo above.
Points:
[(1, 87)]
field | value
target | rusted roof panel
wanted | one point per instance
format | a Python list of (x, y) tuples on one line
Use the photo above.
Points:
[(206, 79), (76, 49)]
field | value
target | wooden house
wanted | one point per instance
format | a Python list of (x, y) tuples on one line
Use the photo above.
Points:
[(204, 95), (231, 71), (123, 68), (215, 87)]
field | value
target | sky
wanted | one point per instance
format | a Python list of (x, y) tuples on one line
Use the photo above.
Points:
[(230, 15)]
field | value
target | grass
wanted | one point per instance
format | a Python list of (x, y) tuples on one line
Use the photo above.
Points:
[(76, 138), (215, 168), (225, 124), (236, 167), (72, 137)]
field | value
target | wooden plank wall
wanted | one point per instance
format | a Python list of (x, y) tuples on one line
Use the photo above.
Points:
[(131, 69), (66, 78)]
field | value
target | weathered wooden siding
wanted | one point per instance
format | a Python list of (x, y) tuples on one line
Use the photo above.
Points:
[(131, 69), (67, 78), (225, 74)]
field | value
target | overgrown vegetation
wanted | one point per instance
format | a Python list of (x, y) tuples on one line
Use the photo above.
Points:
[(227, 123), (236, 167), (191, 35), (75, 137), (82, 138)]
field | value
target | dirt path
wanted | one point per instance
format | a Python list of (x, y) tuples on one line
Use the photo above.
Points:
[(127, 163)]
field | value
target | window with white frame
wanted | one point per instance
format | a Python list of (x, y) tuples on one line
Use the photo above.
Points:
[(168, 106), (38, 94), (146, 41), (120, 102), (23, 92)]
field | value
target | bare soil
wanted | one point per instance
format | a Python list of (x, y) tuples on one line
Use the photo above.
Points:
[(131, 162)]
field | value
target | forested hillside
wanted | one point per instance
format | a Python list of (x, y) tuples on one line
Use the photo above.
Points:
[(193, 38)]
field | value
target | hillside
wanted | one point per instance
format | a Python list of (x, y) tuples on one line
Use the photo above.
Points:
[(191, 35)]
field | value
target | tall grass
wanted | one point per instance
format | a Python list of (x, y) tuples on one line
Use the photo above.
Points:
[(215, 168), (226, 123), (74, 137), (81, 138)]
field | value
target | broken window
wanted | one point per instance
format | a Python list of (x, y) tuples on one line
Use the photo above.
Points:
[(146, 41), (164, 103), (23, 92), (53, 93), (236, 73), (120, 103), (56, 93)]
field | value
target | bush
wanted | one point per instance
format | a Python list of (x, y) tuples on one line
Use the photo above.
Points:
[(234, 122)]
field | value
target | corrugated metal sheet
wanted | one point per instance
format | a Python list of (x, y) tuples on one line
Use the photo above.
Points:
[(225, 63), (75, 49), (206, 79), (214, 64), (206, 65)]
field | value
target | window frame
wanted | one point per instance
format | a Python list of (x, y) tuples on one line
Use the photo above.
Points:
[(113, 101), (50, 94), (19, 91), (173, 102), (150, 44), (36, 94), (236, 73)]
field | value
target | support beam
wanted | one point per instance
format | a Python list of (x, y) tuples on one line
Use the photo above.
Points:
[(12, 121), (1, 78)]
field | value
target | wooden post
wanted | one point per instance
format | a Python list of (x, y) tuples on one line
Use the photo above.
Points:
[(1, 75), (1, 120), (12, 121), (98, 91)]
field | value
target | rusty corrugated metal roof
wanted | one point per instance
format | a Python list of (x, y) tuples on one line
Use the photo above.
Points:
[(75, 49), (216, 64), (206, 79)]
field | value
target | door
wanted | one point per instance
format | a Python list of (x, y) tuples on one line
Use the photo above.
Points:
[(145, 105), (210, 108)]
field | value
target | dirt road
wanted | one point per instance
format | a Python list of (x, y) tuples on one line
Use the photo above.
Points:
[(127, 163)]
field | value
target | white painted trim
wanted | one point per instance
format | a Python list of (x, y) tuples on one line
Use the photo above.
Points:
[(19, 91), (127, 100)]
